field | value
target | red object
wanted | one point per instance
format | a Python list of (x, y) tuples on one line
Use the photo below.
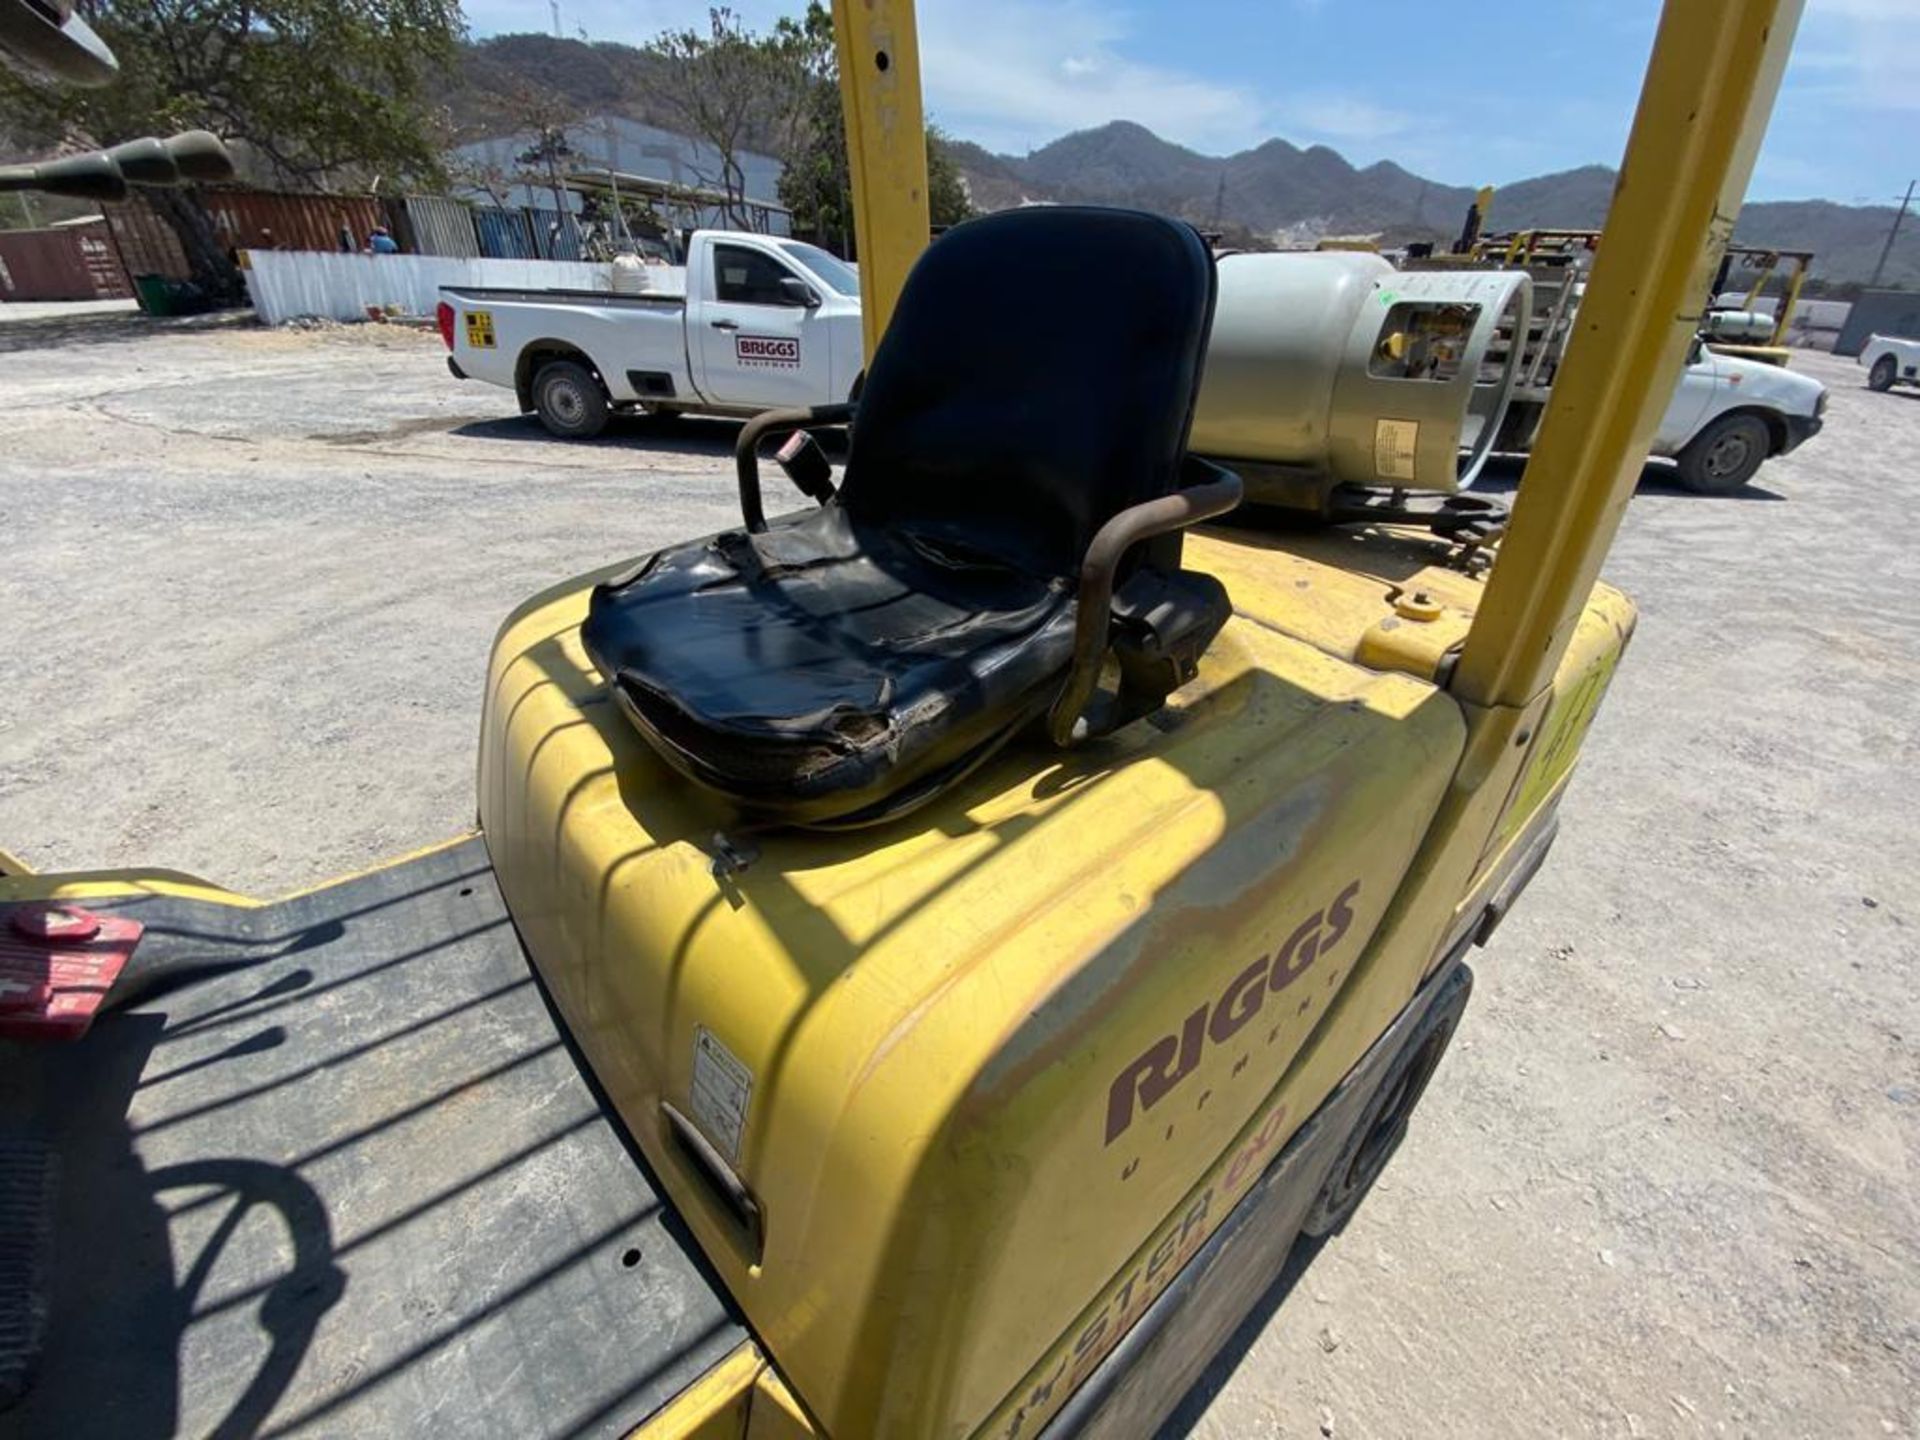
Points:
[(57, 963), (443, 312)]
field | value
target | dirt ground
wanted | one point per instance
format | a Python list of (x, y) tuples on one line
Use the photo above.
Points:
[(1665, 1183)]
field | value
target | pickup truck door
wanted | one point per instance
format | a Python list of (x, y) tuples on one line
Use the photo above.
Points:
[(754, 345), (1693, 398)]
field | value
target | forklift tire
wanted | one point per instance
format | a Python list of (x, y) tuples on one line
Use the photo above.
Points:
[(1883, 373), (1723, 457), (569, 400), (1383, 1124)]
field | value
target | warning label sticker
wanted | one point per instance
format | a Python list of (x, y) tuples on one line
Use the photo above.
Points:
[(1394, 443), (480, 329), (722, 1089)]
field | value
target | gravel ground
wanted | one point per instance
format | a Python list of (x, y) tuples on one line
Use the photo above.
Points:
[(1664, 1184)]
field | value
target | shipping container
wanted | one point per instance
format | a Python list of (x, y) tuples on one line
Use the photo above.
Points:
[(279, 220), (64, 262), (243, 220)]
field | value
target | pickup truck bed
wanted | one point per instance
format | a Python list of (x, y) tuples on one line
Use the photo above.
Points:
[(337, 1173), (612, 299)]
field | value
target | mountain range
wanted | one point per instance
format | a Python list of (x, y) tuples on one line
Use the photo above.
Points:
[(1274, 191), (1279, 191)]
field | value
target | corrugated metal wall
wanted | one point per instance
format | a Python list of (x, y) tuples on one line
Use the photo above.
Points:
[(438, 226), (420, 224), (1879, 312), (285, 284), (556, 236), (504, 234), (66, 262)]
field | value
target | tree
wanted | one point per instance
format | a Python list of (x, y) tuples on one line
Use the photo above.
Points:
[(948, 202), (816, 181), (544, 117), (724, 84), (314, 91)]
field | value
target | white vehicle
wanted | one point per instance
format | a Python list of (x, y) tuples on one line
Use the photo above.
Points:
[(762, 323), (1891, 360), (1730, 414), (1727, 417)]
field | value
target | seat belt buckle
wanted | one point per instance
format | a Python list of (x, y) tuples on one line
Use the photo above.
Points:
[(807, 466)]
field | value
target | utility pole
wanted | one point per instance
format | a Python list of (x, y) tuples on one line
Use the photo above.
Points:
[(1892, 230)]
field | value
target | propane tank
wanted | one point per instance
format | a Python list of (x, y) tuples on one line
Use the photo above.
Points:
[(1337, 367), (1738, 326)]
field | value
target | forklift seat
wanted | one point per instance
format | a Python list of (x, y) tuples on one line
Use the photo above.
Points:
[(1021, 432)]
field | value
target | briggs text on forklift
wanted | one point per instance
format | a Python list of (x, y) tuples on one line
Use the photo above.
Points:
[(1172, 1058)]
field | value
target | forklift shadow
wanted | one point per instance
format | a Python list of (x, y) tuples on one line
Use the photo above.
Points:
[(659, 434), (1186, 1416), (1503, 474), (227, 1263), (109, 327)]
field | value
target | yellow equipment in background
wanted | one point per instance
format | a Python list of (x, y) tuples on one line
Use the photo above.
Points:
[(994, 1120), (1770, 348)]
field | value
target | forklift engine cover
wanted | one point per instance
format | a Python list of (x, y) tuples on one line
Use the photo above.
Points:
[(917, 1090)]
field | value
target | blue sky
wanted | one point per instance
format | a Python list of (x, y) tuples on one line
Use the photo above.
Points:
[(1459, 93)]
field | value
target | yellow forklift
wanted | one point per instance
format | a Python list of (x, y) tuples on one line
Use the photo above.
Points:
[(1750, 332), (926, 956), (1557, 258)]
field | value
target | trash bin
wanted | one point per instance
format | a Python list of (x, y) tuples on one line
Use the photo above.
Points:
[(152, 291), (163, 295)]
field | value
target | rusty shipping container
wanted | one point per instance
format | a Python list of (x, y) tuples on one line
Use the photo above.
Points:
[(243, 220), (256, 219), (64, 262)]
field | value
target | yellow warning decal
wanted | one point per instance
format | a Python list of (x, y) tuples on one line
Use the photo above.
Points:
[(480, 330)]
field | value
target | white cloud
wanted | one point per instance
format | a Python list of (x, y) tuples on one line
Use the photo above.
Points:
[(1011, 74), (1334, 115), (1016, 73), (1865, 51)]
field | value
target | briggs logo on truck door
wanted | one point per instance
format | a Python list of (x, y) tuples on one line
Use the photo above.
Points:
[(768, 352), (1170, 1059)]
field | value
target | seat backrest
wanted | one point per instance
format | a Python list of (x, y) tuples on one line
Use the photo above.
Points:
[(1038, 376)]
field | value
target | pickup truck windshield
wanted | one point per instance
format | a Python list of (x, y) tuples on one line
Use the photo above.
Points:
[(833, 272)]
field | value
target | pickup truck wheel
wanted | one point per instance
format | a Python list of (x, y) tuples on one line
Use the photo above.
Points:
[(569, 400), (1883, 373), (1724, 456)]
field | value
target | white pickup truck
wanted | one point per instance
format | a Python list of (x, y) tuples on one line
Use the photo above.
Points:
[(1729, 414), (1890, 360), (762, 323)]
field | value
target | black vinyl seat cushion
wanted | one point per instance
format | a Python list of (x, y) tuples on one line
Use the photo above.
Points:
[(823, 666), (1037, 378)]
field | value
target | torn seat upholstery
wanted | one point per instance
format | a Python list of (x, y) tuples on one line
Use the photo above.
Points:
[(1022, 427)]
